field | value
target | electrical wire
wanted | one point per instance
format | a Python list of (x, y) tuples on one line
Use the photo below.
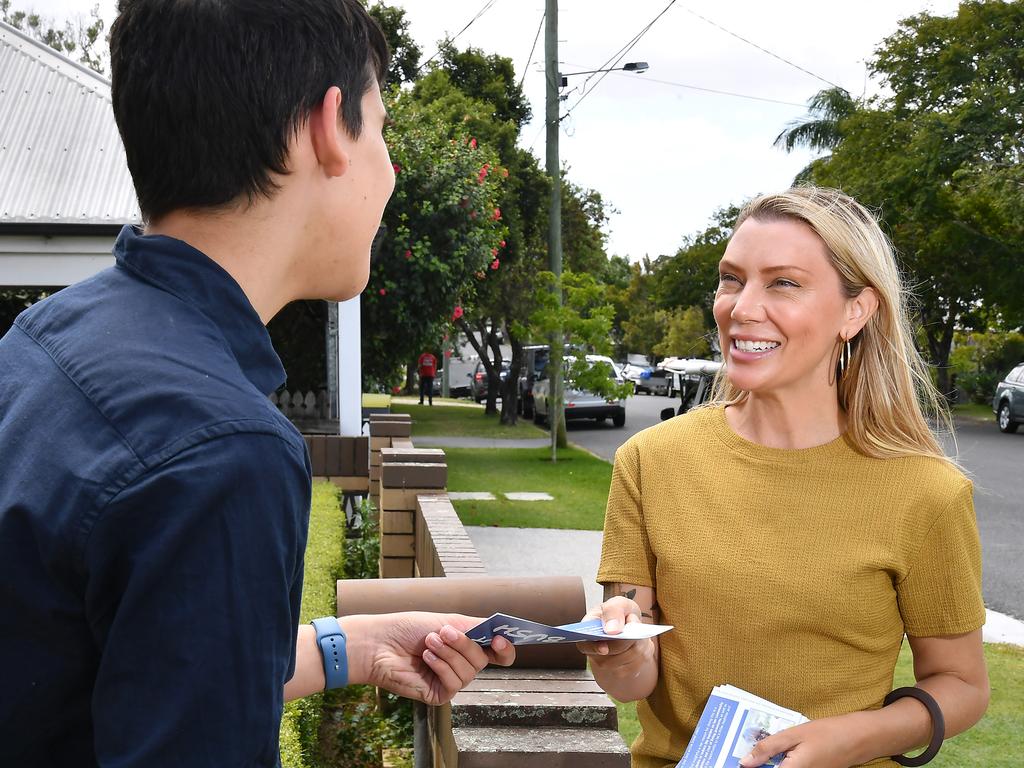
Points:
[(532, 48), (448, 41), (717, 91), (763, 49), (615, 59)]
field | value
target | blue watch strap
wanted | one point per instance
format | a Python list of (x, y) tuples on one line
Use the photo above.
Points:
[(331, 639)]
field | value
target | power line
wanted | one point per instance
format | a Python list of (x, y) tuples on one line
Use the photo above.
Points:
[(486, 7), (763, 49), (618, 56), (532, 49), (720, 92)]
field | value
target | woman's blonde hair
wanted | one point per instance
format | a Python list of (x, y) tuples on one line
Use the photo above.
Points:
[(886, 390)]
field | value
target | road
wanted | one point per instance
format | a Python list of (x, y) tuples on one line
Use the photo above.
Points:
[(994, 461)]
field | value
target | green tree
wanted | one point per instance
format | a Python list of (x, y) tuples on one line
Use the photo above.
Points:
[(644, 331), (584, 239), (443, 226), (405, 53), (584, 320), (685, 334), (822, 128), (689, 277), (80, 38), (939, 156), (502, 298)]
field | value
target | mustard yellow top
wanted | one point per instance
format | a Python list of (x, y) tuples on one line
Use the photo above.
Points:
[(790, 573)]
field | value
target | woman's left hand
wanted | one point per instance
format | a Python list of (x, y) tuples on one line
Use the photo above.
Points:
[(831, 742)]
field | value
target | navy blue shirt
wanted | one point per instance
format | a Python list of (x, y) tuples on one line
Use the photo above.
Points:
[(153, 516)]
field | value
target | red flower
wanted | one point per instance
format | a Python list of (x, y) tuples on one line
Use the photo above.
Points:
[(383, 291), (495, 264), (396, 390), (494, 251), (502, 243), (408, 254), (472, 143), (397, 168), (456, 313), (504, 172), (497, 214), (483, 173)]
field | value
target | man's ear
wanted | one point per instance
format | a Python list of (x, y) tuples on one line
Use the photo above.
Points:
[(859, 310), (324, 129)]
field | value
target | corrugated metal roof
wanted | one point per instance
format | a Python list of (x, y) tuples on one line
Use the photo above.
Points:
[(61, 157)]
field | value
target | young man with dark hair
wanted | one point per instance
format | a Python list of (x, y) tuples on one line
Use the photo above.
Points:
[(154, 504)]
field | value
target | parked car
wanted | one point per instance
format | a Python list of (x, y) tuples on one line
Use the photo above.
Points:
[(535, 360), (580, 404), (1008, 402), (479, 383)]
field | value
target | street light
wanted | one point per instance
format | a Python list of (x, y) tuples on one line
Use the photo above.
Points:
[(632, 66)]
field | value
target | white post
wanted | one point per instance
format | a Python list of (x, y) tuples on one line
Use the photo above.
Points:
[(350, 369)]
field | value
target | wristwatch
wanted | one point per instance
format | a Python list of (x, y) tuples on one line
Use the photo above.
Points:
[(331, 639)]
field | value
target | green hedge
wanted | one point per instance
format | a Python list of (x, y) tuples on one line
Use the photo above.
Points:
[(300, 725)]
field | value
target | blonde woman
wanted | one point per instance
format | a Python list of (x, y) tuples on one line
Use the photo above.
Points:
[(794, 529)]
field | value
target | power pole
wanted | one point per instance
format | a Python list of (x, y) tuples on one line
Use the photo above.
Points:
[(556, 415)]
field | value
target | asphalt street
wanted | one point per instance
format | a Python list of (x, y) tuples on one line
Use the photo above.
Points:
[(994, 461)]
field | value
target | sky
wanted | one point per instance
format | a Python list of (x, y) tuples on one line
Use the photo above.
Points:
[(666, 157)]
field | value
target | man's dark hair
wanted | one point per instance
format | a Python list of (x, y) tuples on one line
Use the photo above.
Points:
[(208, 93)]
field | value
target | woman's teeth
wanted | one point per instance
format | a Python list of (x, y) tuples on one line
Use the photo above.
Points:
[(754, 346)]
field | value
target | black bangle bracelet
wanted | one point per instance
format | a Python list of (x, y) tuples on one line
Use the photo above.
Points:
[(938, 724)]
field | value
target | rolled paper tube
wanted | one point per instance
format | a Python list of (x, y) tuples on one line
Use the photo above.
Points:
[(551, 600)]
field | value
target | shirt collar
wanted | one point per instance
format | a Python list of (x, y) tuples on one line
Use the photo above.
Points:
[(195, 278)]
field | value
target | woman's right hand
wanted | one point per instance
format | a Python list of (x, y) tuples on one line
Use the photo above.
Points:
[(614, 614), (625, 669)]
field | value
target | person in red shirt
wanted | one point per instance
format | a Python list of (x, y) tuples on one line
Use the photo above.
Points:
[(428, 370)]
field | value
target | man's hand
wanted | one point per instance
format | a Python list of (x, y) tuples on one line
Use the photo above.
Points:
[(423, 656)]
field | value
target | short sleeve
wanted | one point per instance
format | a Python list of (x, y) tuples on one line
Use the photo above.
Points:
[(626, 554), (941, 594), (194, 585)]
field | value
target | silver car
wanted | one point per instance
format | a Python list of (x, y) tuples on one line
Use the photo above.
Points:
[(579, 404), (1008, 403)]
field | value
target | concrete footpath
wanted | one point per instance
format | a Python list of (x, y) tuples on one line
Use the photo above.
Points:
[(554, 552)]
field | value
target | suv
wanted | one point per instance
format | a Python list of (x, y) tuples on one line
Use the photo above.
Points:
[(1008, 403), (580, 404)]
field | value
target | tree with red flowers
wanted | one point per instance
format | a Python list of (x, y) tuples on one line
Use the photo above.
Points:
[(441, 233)]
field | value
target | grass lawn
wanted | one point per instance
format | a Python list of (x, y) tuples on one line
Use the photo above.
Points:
[(995, 742), (461, 421), (578, 481), (974, 411)]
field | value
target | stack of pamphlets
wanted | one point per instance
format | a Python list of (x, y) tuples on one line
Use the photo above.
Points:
[(525, 632), (734, 721)]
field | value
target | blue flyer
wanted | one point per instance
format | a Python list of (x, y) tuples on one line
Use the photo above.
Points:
[(525, 632)]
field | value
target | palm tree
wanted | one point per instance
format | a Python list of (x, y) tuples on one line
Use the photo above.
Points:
[(821, 129)]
